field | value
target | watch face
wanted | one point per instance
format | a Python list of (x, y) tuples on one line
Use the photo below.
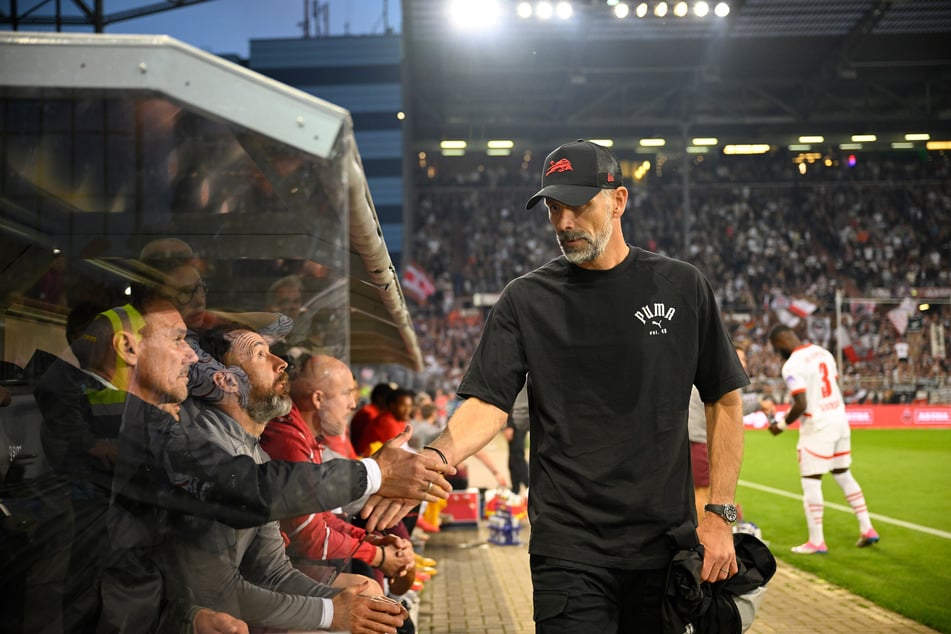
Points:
[(729, 512)]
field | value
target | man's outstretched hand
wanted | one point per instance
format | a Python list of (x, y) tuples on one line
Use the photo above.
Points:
[(408, 478), (411, 475)]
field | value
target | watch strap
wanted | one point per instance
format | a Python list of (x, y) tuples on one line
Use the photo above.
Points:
[(727, 511)]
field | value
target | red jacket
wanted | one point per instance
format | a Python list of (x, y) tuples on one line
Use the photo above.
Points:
[(340, 445), (318, 536), (382, 428), (360, 421)]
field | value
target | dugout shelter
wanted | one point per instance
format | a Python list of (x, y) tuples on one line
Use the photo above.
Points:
[(110, 143)]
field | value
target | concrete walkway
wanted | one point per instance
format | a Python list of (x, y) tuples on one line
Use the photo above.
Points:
[(482, 588)]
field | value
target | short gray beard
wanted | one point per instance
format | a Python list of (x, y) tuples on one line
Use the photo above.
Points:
[(261, 409), (593, 248)]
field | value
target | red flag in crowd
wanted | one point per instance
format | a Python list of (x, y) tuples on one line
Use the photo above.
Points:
[(802, 307), (417, 283), (845, 343)]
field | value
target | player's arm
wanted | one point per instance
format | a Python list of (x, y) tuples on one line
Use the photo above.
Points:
[(725, 446), (795, 411)]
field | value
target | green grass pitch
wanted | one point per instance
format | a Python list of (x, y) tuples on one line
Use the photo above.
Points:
[(906, 477)]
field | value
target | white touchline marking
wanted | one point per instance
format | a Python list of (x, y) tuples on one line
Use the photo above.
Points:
[(840, 507)]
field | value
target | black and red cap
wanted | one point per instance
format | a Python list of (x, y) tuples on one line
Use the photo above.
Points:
[(575, 172)]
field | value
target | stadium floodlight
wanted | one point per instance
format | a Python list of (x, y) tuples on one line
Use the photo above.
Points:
[(903, 145), (612, 3), (453, 152), (524, 10), (563, 10), (697, 149), (850, 146), (864, 138), (746, 148), (917, 136), (474, 14), (799, 147), (721, 10), (544, 10), (701, 9), (681, 9), (603, 142), (621, 10), (452, 144), (498, 152), (655, 142), (500, 144), (938, 145), (641, 10), (815, 138), (700, 140), (660, 9)]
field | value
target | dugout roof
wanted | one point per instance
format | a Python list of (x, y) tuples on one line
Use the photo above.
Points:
[(108, 143)]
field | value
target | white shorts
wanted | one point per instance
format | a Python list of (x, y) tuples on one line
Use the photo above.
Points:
[(824, 450)]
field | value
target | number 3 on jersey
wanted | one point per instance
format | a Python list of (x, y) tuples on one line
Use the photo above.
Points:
[(826, 385)]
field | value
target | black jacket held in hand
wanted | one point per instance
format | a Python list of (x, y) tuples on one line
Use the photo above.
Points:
[(710, 607)]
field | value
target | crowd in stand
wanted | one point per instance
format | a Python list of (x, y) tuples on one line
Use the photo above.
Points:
[(762, 229)]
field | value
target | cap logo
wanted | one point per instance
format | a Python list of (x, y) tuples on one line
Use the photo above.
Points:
[(561, 165), (610, 177)]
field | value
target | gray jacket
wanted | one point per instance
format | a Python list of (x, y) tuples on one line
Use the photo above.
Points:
[(242, 571)]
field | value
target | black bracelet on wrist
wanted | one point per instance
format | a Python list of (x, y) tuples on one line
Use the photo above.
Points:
[(382, 556), (439, 453)]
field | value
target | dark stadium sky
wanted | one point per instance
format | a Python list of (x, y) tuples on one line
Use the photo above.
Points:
[(227, 26)]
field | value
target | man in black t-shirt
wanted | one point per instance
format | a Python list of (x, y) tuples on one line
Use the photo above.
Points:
[(612, 338)]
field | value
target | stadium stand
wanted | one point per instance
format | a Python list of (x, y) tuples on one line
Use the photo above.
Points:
[(777, 226)]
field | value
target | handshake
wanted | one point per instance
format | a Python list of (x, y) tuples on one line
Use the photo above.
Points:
[(408, 479)]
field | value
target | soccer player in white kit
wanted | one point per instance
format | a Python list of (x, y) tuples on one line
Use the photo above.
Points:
[(824, 446)]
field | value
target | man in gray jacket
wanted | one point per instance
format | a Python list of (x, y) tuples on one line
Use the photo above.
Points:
[(245, 571)]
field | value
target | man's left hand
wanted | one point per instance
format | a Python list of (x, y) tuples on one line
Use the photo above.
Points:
[(719, 556)]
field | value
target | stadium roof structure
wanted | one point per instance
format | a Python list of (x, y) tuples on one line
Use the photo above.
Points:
[(54, 197), (769, 72)]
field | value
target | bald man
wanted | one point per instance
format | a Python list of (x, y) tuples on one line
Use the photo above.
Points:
[(323, 401)]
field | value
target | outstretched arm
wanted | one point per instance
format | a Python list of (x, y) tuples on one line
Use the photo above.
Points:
[(472, 426)]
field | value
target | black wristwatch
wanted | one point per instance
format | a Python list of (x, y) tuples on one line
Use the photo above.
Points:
[(726, 511)]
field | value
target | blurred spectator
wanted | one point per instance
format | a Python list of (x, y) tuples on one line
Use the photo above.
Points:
[(284, 296)]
